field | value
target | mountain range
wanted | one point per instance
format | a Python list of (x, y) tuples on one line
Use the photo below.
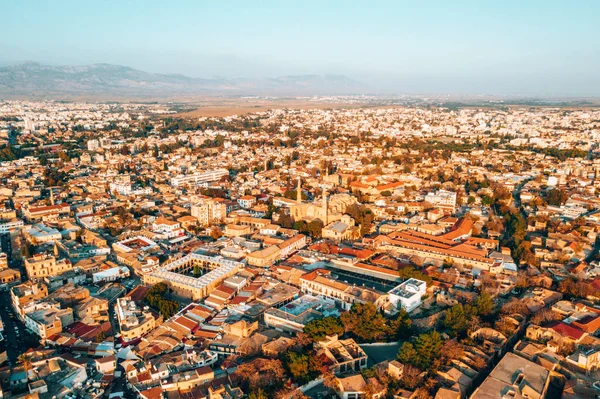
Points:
[(104, 81)]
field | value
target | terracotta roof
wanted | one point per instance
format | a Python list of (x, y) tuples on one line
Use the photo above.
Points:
[(566, 330), (185, 322), (152, 393)]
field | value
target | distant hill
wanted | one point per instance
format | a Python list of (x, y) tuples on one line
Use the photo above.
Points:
[(35, 80)]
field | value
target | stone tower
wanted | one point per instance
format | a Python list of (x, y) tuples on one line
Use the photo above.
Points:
[(325, 208)]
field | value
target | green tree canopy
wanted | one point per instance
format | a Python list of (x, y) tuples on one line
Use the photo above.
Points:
[(317, 329), (366, 323)]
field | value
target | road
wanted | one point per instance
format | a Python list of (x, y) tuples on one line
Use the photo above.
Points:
[(14, 330)]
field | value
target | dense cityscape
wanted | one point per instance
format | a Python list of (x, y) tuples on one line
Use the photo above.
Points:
[(419, 251)]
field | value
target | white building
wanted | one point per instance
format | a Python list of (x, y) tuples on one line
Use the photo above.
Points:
[(93, 145), (408, 294), (200, 178), (112, 274), (6, 227), (441, 198), (293, 316), (246, 201), (167, 228)]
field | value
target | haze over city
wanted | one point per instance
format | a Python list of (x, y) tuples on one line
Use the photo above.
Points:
[(533, 48)]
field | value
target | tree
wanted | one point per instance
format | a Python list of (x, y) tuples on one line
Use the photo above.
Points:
[(330, 381), (410, 272), (365, 322), (261, 374), (363, 216), (451, 350), (428, 347), (284, 220), (457, 318), (545, 315), (577, 289), (317, 329), (215, 233), (315, 228), (301, 226), (298, 365), (156, 298), (484, 304), (556, 197), (514, 306), (423, 352), (197, 270), (402, 324), (25, 359), (407, 353), (101, 337), (411, 377), (258, 394)]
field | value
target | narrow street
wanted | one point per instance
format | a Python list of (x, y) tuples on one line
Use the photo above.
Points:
[(14, 330)]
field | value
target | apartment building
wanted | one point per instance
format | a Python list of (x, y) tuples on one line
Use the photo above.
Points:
[(40, 266), (48, 321), (167, 228), (134, 322), (199, 178), (27, 292), (208, 211)]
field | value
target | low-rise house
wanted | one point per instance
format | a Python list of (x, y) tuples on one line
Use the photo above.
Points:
[(516, 377)]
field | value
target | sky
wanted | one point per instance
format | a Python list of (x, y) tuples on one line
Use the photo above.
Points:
[(525, 47)]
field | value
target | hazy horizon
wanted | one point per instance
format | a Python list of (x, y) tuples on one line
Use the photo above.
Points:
[(537, 49)]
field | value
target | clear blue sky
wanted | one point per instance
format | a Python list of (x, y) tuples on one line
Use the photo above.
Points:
[(493, 47)]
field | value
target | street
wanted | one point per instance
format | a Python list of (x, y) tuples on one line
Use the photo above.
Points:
[(14, 330)]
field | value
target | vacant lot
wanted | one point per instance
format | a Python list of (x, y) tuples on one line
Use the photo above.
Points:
[(242, 106)]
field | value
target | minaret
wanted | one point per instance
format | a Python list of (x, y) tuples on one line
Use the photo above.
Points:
[(51, 197), (325, 210), (299, 192)]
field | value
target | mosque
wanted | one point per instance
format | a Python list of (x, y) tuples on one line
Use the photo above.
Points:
[(327, 210)]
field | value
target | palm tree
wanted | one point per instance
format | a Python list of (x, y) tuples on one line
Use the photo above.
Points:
[(25, 359)]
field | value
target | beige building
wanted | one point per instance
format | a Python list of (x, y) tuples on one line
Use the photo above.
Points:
[(514, 377), (134, 322), (328, 210), (44, 265), (319, 283), (265, 257), (343, 229), (176, 274), (188, 379), (9, 276), (27, 292), (93, 310), (344, 354)]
